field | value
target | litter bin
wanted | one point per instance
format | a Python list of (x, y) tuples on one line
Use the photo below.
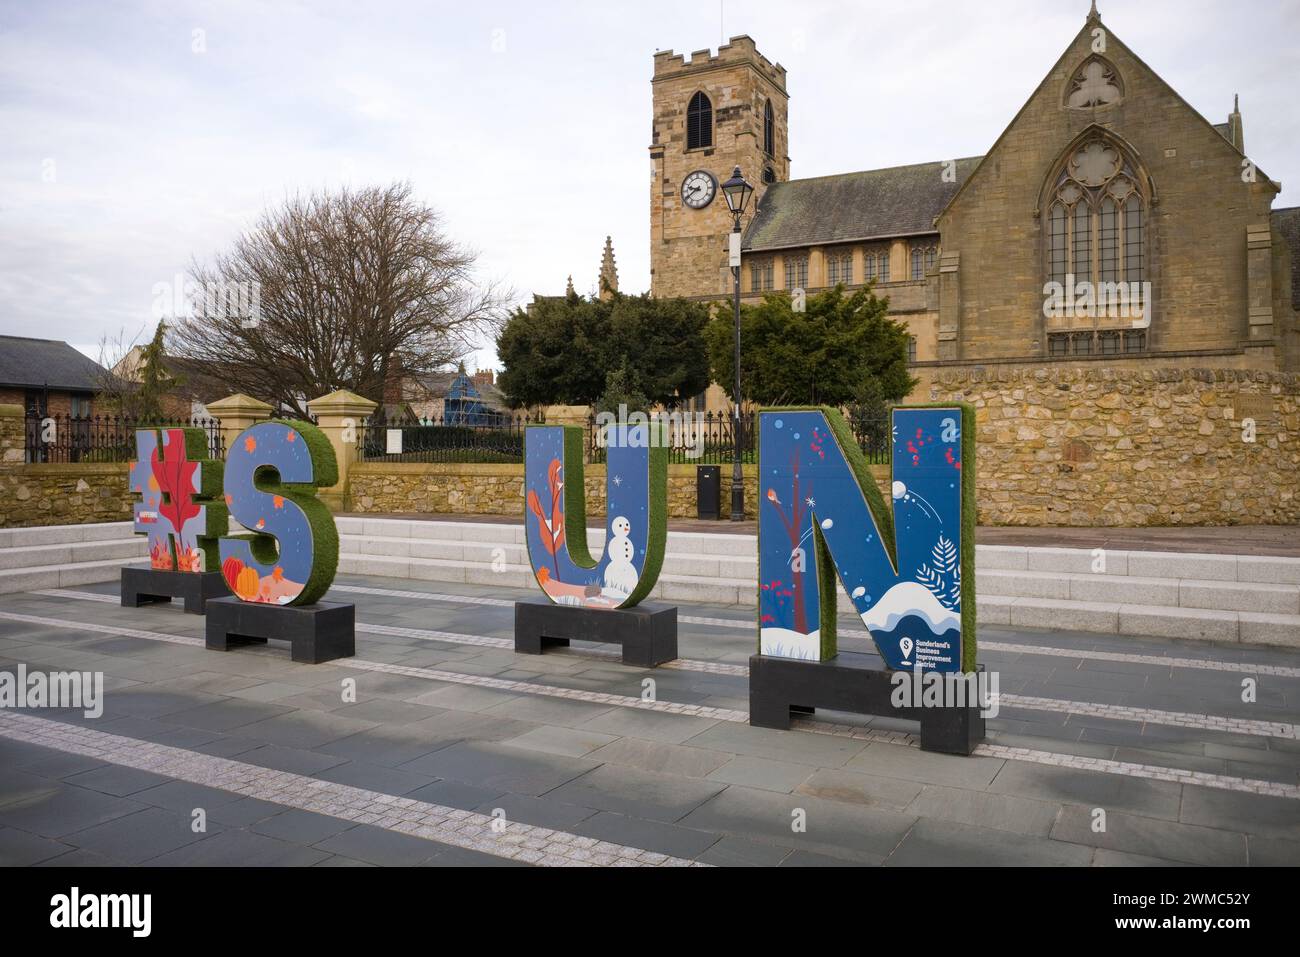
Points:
[(708, 491)]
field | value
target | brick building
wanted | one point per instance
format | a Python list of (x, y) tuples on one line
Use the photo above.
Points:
[(1105, 177), (48, 377)]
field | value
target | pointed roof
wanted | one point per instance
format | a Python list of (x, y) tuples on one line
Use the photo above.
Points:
[(1094, 19), (608, 282)]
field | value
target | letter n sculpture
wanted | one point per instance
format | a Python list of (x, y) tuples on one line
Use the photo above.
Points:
[(281, 569), (909, 571), (181, 512), (582, 598)]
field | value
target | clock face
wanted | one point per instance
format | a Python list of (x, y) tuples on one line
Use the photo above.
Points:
[(698, 189)]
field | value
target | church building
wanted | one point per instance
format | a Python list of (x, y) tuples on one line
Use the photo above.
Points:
[(1109, 222)]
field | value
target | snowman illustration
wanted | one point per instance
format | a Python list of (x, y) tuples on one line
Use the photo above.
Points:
[(620, 574)]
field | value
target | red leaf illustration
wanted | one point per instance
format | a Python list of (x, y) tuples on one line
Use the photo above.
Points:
[(175, 475)]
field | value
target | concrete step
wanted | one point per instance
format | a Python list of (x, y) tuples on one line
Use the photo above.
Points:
[(1115, 618), (1142, 564), (62, 576), (35, 556), (1068, 576), (63, 534), (1140, 590)]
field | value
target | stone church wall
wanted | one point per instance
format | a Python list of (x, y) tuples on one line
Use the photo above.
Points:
[(1106, 446)]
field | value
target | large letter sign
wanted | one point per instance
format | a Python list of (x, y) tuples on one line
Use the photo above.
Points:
[(180, 508), (909, 574), (555, 516), (272, 472)]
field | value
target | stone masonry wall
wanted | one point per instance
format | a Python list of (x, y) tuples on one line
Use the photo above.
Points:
[(64, 494), (498, 489), (1091, 447)]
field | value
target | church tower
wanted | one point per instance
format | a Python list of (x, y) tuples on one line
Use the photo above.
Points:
[(711, 113)]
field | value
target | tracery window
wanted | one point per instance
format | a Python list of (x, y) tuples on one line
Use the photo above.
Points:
[(1096, 222), (1095, 83)]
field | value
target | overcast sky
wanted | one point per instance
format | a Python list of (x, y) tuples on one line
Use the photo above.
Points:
[(130, 143)]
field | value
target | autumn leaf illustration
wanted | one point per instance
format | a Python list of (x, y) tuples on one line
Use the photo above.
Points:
[(175, 476), (550, 532)]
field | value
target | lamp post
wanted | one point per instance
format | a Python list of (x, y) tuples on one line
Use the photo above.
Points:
[(737, 192)]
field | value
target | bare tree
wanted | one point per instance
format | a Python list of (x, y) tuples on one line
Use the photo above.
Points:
[(347, 290)]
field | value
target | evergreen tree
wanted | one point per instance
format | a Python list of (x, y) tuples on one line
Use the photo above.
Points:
[(842, 348), (155, 381)]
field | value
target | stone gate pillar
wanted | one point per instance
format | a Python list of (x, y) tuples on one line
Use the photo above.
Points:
[(339, 415), (237, 412)]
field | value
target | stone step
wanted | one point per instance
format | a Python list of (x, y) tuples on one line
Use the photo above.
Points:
[(514, 553), (63, 534), (62, 576), (1197, 566), (1138, 590), (1016, 583), (1117, 618), (34, 556)]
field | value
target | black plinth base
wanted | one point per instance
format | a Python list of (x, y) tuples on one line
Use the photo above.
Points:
[(857, 684), (316, 633), (648, 633), (146, 586)]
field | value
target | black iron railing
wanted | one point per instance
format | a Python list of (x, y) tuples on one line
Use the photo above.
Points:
[(708, 438), (64, 438), (468, 438)]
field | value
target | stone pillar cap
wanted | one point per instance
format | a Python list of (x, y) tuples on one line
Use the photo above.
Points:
[(342, 402), (234, 405)]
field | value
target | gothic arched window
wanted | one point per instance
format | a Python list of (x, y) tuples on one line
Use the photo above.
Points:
[(769, 130), (1097, 217), (699, 122)]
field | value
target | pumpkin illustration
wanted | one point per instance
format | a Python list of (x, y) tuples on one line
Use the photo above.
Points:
[(230, 570), (248, 583)]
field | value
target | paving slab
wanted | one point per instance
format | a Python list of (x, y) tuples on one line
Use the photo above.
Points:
[(936, 843), (654, 797), (1188, 843)]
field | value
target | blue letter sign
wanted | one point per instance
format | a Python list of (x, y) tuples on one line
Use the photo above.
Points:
[(272, 471), (909, 575), (555, 514)]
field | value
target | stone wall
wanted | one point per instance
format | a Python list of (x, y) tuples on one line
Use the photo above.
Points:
[(64, 494), (55, 494), (1104, 446), (498, 489)]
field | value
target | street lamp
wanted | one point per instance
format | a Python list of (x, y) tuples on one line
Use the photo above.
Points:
[(737, 192)]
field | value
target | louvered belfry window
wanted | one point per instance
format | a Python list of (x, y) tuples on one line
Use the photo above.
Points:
[(699, 122)]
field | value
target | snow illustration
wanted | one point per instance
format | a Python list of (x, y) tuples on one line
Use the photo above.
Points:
[(621, 575)]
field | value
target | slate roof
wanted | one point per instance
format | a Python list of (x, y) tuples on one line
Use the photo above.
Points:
[(37, 363), (1287, 222), (852, 207)]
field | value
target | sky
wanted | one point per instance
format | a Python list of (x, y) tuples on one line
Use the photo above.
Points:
[(136, 137)]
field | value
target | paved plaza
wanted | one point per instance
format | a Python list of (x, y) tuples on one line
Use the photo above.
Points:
[(455, 750)]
